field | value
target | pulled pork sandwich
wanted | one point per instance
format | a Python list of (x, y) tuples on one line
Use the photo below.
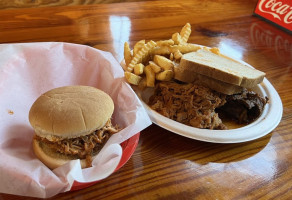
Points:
[(71, 122)]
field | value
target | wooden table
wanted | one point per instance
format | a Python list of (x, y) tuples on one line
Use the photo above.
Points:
[(166, 165)]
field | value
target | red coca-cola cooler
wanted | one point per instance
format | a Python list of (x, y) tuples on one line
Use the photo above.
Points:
[(278, 12)]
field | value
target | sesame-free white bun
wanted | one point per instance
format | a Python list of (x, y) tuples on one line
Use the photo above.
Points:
[(70, 111)]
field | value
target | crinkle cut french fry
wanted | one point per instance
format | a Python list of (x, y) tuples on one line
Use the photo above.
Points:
[(166, 75), (177, 55), (165, 42), (185, 48), (177, 38), (163, 62), (132, 78), (150, 76), (127, 53), (138, 69), (185, 32), (144, 52), (138, 46), (161, 50), (154, 67)]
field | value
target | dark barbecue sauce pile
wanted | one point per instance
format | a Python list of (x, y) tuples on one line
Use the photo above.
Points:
[(244, 107)]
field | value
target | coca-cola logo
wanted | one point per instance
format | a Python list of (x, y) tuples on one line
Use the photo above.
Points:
[(278, 9)]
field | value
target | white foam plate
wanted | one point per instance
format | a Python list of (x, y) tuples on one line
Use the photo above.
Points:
[(268, 121)]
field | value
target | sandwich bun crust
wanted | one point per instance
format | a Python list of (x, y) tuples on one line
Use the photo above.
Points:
[(70, 111)]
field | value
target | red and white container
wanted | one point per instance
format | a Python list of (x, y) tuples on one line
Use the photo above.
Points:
[(278, 12)]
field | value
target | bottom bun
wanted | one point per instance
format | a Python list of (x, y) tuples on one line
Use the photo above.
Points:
[(50, 158)]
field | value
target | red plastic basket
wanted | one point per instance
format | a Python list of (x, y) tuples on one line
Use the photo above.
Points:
[(128, 146)]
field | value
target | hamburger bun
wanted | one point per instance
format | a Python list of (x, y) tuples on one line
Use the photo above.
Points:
[(67, 113)]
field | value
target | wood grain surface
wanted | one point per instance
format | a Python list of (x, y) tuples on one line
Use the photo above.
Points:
[(15, 4), (166, 165)]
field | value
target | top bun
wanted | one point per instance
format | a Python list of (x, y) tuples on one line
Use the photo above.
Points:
[(70, 112)]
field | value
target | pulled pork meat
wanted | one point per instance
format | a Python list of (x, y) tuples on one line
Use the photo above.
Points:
[(83, 147), (189, 104), (201, 107)]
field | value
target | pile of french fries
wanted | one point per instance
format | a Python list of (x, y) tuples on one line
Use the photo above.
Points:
[(155, 61)]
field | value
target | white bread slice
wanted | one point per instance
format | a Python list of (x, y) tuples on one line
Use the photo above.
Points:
[(189, 76), (218, 67)]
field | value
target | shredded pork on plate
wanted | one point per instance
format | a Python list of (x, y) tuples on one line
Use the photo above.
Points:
[(84, 146), (189, 104)]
